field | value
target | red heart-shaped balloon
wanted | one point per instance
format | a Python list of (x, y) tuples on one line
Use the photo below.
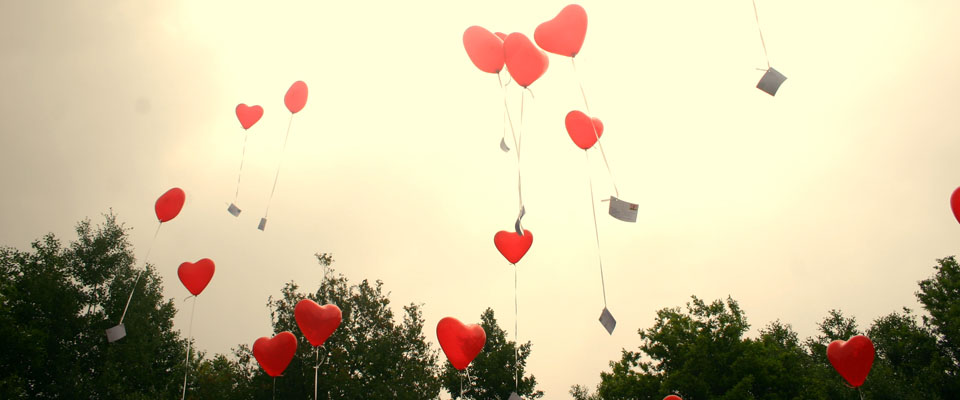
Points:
[(274, 354), (484, 48), (525, 62), (461, 343), (582, 129), (315, 321), (564, 33), (248, 115), (852, 358), (296, 97), (512, 245), (196, 276), (169, 204), (672, 397), (955, 203)]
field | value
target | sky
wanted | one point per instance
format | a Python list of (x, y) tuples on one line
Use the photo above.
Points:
[(832, 195)]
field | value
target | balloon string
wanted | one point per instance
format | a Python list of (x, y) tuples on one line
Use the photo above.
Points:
[(516, 332), (597, 134), (145, 259), (186, 362), (316, 371), (519, 144), (596, 232), (280, 164), (274, 388), (756, 16), (859, 390), (243, 154)]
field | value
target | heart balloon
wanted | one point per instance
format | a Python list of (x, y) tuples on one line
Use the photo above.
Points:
[(852, 358), (169, 204), (248, 115), (196, 276), (315, 321), (296, 97), (955, 203), (564, 33), (274, 354), (525, 62), (461, 343), (484, 48), (512, 245), (672, 397), (582, 129)]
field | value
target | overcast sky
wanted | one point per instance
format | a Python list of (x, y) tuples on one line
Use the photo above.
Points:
[(833, 194)]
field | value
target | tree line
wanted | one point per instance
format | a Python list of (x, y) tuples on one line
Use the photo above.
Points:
[(56, 300)]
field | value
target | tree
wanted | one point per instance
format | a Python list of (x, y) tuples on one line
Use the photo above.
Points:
[(940, 296), (56, 303), (701, 353), (369, 355), (497, 371)]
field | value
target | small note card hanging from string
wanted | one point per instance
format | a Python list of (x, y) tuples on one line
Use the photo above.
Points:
[(116, 333), (623, 210), (607, 320), (233, 210), (771, 81)]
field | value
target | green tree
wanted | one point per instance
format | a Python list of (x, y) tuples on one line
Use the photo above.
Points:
[(701, 353), (940, 296), (56, 303), (498, 370), (369, 356)]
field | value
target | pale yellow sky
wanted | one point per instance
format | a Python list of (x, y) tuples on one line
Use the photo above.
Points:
[(834, 194)]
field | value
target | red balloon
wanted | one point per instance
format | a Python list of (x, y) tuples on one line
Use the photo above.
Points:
[(672, 397), (564, 33), (315, 321), (955, 203), (525, 62), (852, 358), (296, 97), (512, 245), (582, 129), (248, 115), (196, 276), (169, 204), (484, 48), (274, 354), (461, 343)]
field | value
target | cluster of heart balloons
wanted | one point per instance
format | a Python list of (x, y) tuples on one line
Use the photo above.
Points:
[(194, 276), (316, 322), (295, 99)]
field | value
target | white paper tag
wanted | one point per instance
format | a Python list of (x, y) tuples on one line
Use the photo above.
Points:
[(233, 209), (623, 210), (515, 396), (606, 319), (503, 146), (263, 224), (771, 81), (116, 333)]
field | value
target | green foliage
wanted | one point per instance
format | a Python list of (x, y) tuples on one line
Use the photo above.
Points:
[(701, 353), (494, 374), (56, 303), (369, 356)]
